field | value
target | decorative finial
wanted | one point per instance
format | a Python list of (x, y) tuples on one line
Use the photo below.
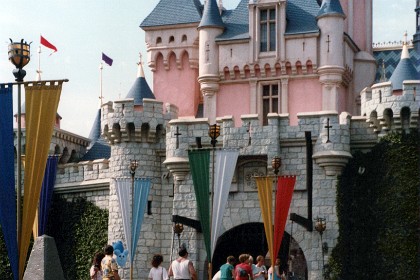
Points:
[(140, 72), (405, 53)]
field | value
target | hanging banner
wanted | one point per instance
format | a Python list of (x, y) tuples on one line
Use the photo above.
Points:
[(140, 198), (46, 194), (41, 101), (8, 219), (265, 190), (224, 169), (199, 166), (123, 189), (141, 193), (285, 188)]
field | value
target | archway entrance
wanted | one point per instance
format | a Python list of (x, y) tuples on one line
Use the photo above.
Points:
[(250, 239)]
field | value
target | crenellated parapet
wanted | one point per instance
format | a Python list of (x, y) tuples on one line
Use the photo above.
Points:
[(388, 110), (122, 121), (84, 172)]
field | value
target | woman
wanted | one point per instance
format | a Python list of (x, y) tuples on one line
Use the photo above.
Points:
[(276, 272), (95, 270), (157, 272)]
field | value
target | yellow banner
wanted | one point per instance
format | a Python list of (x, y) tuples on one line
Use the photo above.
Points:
[(41, 101), (265, 191)]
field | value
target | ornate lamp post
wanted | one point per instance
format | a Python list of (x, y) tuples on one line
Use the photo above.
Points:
[(178, 229), (133, 166), (214, 132), (320, 226), (19, 56)]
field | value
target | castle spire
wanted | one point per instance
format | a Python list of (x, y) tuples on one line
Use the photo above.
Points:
[(405, 69), (211, 15), (330, 7)]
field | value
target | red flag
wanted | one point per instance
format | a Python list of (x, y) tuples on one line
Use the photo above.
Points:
[(47, 44)]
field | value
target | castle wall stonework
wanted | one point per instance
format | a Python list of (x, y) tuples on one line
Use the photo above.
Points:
[(161, 146)]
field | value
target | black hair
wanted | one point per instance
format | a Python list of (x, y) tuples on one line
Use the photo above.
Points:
[(109, 250)]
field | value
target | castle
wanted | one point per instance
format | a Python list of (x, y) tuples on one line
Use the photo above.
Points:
[(297, 79)]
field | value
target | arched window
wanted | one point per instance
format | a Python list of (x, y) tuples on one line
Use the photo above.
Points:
[(171, 39), (184, 38), (158, 40)]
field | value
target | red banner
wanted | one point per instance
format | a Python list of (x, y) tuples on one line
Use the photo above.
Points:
[(285, 187)]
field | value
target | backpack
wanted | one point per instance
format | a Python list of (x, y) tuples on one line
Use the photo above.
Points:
[(242, 272)]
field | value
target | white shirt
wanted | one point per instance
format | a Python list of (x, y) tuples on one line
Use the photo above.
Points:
[(158, 273), (181, 269)]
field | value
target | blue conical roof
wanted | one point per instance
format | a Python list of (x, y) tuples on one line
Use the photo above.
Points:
[(405, 71), (140, 89), (330, 7), (98, 148), (211, 15)]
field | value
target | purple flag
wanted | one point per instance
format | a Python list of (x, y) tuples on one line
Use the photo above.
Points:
[(107, 59)]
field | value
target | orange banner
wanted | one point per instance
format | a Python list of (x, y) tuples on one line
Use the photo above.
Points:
[(41, 108)]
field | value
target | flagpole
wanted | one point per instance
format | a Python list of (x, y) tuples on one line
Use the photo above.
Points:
[(38, 72), (100, 83)]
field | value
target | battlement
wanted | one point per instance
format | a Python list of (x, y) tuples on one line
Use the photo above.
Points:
[(387, 110), (122, 121), (84, 171)]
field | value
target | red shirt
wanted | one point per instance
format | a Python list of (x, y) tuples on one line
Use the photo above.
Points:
[(244, 269)]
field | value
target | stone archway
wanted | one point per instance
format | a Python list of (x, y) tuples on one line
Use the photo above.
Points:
[(250, 238)]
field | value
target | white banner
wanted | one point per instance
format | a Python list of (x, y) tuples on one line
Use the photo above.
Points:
[(225, 164)]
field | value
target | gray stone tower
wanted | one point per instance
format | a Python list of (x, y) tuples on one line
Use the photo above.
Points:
[(135, 129)]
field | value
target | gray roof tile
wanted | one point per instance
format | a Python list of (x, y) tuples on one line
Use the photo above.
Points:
[(170, 12)]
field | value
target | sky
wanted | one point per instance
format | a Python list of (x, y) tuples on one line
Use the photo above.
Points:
[(83, 29)]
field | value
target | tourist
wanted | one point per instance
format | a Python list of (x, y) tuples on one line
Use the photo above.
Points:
[(243, 270), (157, 272), (95, 269), (182, 268), (226, 270), (109, 265), (260, 272), (275, 273)]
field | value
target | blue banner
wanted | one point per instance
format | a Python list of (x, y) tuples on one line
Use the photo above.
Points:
[(141, 194), (8, 218), (46, 193)]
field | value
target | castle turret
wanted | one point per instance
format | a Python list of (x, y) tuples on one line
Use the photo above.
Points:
[(405, 69), (416, 37), (210, 27), (140, 88), (331, 24)]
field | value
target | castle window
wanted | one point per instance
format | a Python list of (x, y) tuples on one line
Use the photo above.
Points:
[(184, 38), (267, 30), (270, 100), (158, 40), (171, 39)]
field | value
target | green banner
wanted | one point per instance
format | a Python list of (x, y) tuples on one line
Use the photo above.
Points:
[(200, 166)]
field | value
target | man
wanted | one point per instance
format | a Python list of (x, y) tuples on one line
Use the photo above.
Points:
[(243, 271), (227, 269), (109, 265), (182, 268)]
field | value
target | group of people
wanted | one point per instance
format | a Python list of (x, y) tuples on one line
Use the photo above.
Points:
[(247, 270), (105, 267)]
